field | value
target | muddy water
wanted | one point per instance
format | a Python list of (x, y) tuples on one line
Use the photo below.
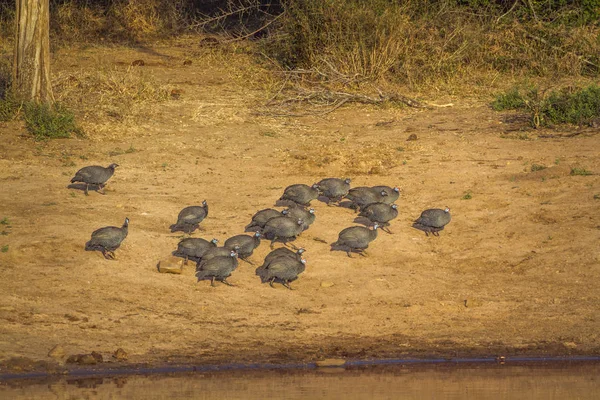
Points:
[(564, 381)]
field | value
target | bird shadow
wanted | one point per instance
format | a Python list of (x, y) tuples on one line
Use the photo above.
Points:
[(347, 250), (287, 203), (427, 229), (347, 204), (81, 186), (363, 221)]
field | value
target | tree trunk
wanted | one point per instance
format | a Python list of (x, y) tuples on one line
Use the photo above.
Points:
[(31, 68)]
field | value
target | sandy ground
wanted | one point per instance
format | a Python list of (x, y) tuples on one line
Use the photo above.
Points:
[(515, 272)]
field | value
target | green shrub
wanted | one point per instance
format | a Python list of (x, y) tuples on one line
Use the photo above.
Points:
[(50, 121), (567, 106), (511, 100), (573, 106)]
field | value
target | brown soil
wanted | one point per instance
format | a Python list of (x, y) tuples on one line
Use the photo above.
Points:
[(515, 272)]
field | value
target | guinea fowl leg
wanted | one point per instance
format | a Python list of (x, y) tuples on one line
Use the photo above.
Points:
[(363, 253), (386, 230), (271, 283), (287, 285), (273, 242), (87, 185), (100, 189), (224, 280), (348, 252), (212, 282), (248, 261), (109, 255)]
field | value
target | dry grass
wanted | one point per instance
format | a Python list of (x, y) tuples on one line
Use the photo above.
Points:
[(108, 93)]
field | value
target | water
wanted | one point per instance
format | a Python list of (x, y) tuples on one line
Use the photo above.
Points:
[(410, 381)]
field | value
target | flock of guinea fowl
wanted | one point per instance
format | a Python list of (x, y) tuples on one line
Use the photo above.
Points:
[(375, 204)]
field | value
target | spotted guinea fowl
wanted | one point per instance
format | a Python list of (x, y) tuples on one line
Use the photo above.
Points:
[(283, 228), (297, 212), (260, 219), (217, 252), (189, 218), (244, 244), (392, 193), (281, 269), (108, 239), (362, 196), (334, 189), (94, 175), (433, 220), (300, 194), (194, 248), (283, 252), (217, 268), (355, 239), (380, 213)]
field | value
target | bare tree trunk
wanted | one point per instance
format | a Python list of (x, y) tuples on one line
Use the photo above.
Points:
[(31, 73)]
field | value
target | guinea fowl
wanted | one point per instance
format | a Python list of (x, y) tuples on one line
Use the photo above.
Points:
[(217, 252), (334, 189), (94, 175), (108, 239), (297, 212), (300, 194), (380, 213), (189, 218), (282, 228), (217, 268), (260, 219), (194, 248), (283, 252), (244, 244), (392, 193), (281, 269), (363, 196), (355, 239), (433, 220)]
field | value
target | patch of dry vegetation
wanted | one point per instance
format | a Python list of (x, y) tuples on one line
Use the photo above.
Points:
[(109, 93)]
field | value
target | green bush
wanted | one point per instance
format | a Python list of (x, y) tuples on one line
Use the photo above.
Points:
[(567, 106), (511, 100), (578, 107), (50, 121)]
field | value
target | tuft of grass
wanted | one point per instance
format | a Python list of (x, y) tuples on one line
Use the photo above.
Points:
[(580, 171), (537, 167), (4, 221), (50, 121), (8, 109), (467, 196), (597, 196), (4, 248)]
